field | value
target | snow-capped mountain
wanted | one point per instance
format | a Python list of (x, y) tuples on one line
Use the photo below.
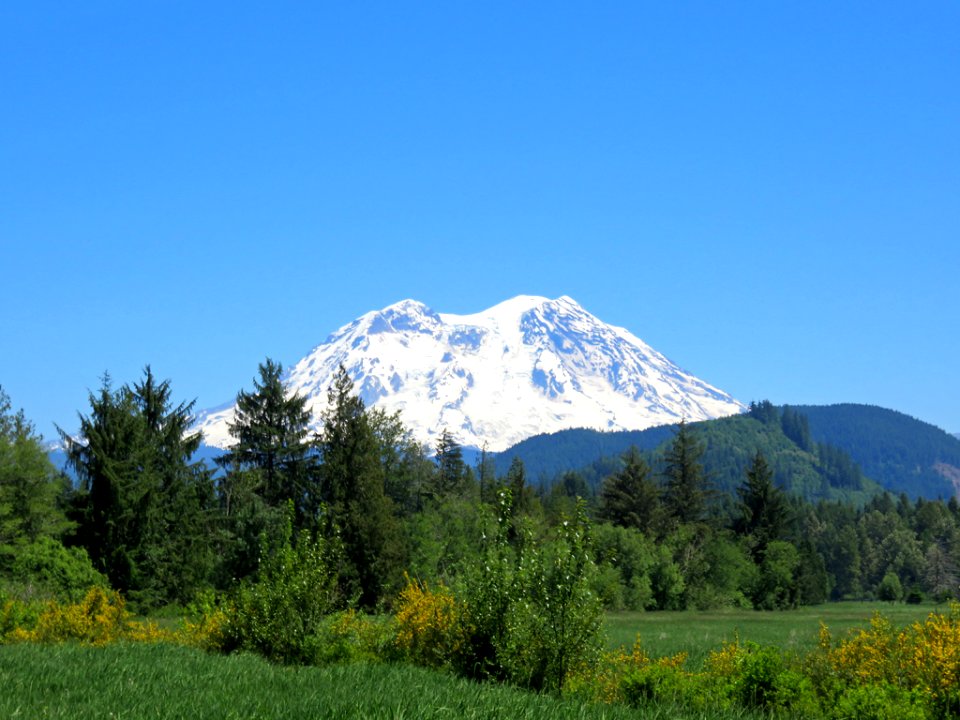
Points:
[(529, 365)]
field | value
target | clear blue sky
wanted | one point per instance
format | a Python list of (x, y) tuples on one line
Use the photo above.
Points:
[(766, 192)]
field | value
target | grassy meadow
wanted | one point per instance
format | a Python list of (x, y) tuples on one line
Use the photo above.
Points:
[(697, 633), (164, 681)]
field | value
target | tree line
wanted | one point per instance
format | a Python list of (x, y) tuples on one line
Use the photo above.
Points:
[(149, 520)]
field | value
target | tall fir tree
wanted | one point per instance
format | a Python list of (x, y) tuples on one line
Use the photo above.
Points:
[(451, 472), (352, 478), (629, 498), (144, 506), (271, 445), (763, 507), (685, 490)]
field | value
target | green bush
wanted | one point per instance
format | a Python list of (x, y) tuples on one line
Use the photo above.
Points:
[(878, 702), (280, 614), (530, 613), (46, 569), (659, 684), (556, 625)]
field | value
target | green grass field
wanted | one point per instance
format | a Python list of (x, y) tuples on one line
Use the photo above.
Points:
[(163, 682), (697, 633)]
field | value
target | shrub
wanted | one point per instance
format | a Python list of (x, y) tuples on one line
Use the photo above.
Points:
[(429, 630), (47, 569), (878, 702), (557, 621), (759, 677), (922, 660), (100, 618), (349, 636), (279, 615)]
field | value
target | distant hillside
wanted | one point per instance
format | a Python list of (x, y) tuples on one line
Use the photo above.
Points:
[(901, 453), (852, 451), (548, 456)]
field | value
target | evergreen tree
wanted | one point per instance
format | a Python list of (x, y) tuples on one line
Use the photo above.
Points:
[(764, 411), (407, 470), (629, 497), (486, 475), (521, 493), (451, 470), (270, 432), (352, 486), (143, 506), (763, 507), (176, 556), (685, 490)]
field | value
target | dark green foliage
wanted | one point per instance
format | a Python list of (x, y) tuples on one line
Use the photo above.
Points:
[(451, 475), (143, 506), (629, 497), (763, 508), (271, 446), (408, 472), (685, 489), (839, 470), (867, 445), (550, 455), (765, 412), (899, 452), (352, 488), (796, 427), (520, 492)]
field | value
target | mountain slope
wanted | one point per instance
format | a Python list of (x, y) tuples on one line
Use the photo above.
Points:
[(894, 451), (900, 452), (526, 366)]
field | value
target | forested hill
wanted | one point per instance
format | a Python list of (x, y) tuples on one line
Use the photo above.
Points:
[(901, 453), (830, 452), (550, 455)]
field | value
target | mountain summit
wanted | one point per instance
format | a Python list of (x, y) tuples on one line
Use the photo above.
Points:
[(529, 365)]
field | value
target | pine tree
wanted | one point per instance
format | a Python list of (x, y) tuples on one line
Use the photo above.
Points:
[(176, 556), (763, 507), (451, 470), (353, 489), (520, 492), (629, 497), (685, 491), (144, 506), (270, 431)]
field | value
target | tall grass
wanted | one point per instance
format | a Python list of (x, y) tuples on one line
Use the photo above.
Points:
[(163, 682)]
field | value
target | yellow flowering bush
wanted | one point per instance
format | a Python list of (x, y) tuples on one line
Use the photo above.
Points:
[(428, 629), (922, 659), (100, 618), (206, 632), (627, 676)]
